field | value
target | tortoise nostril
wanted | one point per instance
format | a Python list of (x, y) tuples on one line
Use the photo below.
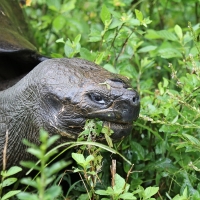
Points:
[(135, 99)]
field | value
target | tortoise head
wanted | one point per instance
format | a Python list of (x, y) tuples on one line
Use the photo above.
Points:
[(74, 90)]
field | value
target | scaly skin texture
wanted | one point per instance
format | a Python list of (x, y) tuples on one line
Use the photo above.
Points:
[(59, 95)]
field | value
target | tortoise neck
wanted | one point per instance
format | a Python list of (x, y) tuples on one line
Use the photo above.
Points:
[(15, 118)]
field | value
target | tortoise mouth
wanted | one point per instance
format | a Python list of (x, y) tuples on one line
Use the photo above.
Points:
[(120, 130)]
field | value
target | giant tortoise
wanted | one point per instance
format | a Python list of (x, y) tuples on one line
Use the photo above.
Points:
[(58, 95)]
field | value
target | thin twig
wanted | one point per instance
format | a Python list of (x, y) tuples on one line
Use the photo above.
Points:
[(5, 151), (160, 195), (116, 34), (85, 186), (4, 160), (123, 48), (113, 172), (62, 177), (127, 176)]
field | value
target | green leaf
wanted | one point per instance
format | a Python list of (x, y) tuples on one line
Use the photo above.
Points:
[(110, 68), (75, 170), (30, 164), (167, 35), (59, 22), (165, 163), (69, 50), (53, 192), (84, 133), (29, 144), (79, 158), (127, 196), (89, 158), (11, 171), (95, 37), (147, 49), (99, 58), (165, 82), (102, 192), (43, 136), (60, 40), (169, 53), (146, 21), (8, 182), (29, 181), (119, 182), (109, 191), (10, 194), (53, 5), (47, 180), (83, 197), (27, 196), (150, 191), (115, 24), (178, 197), (138, 149), (194, 51), (36, 152), (77, 39), (95, 34), (56, 167), (105, 14), (192, 139), (52, 140), (108, 140), (86, 54), (175, 120), (68, 6), (185, 193), (178, 32), (139, 15), (106, 130), (126, 73), (152, 34)]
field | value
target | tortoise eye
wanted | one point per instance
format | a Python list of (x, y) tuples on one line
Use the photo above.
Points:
[(98, 98)]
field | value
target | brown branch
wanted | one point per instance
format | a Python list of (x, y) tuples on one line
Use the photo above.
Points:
[(5, 151), (113, 172), (85, 186), (127, 176), (123, 48)]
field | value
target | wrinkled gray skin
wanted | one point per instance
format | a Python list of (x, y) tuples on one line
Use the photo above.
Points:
[(59, 95)]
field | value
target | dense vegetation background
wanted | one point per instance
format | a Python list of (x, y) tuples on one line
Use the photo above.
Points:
[(157, 45)]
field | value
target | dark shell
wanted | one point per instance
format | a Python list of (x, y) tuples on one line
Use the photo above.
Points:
[(17, 55)]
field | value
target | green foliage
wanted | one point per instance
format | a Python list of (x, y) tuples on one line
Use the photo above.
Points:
[(6, 181), (43, 184), (92, 130), (118, 191), (90, 166), (71, 48), (152, 43)]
